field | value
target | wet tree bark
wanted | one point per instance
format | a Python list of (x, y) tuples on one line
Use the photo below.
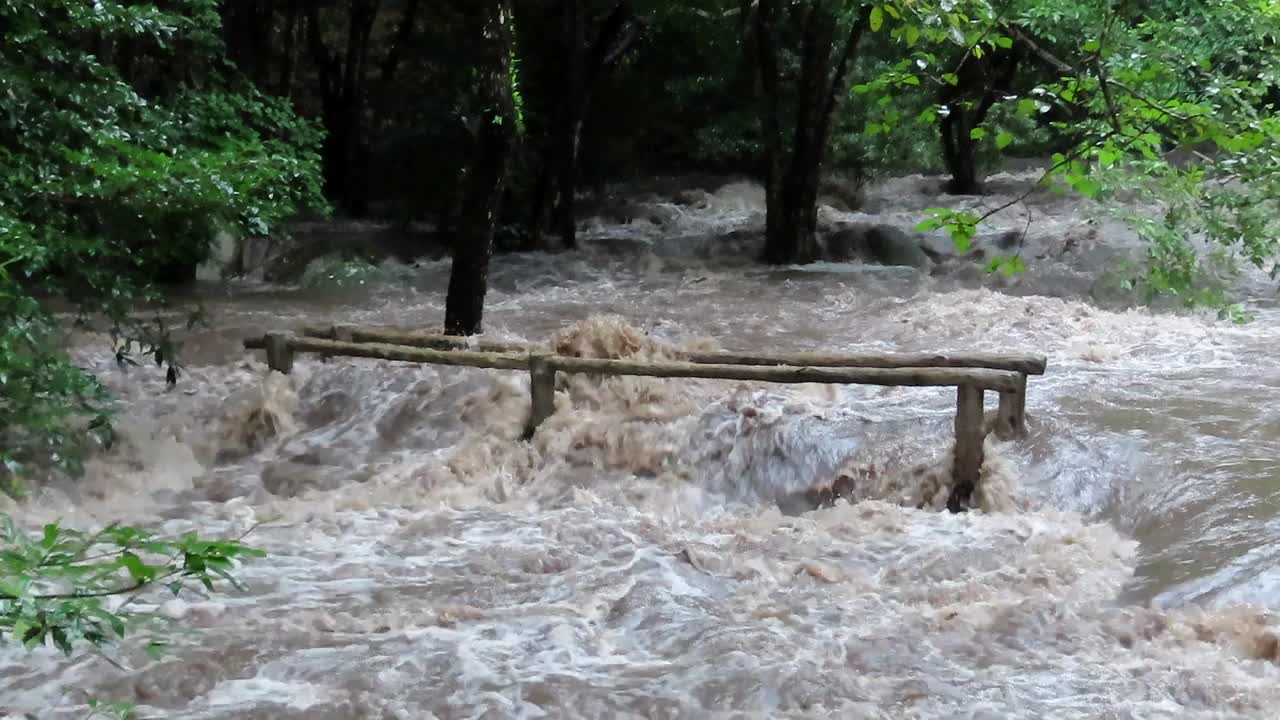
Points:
[(567, 128), (483, 186), (980, 81), (404, 36), (342, 85), (289, 59), (246, 31), (582, 68), (792, 173)]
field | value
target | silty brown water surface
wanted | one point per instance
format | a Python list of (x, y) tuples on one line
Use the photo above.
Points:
[(633, 561)]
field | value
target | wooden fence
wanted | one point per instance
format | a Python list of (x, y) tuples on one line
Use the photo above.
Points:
[(972, 374)]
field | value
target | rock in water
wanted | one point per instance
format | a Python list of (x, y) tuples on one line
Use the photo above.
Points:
[(693, 198), (888, 245), (876, 244), (848, 243)]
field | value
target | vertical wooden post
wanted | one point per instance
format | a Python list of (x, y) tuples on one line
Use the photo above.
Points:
[(279, 354), (342, 333), (542, 391), (1011, 421), (968, 454)]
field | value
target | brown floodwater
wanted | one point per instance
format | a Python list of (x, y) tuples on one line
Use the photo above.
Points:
[(641, 558)]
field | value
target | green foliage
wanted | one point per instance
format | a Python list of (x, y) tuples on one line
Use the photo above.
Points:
[(1117, 91), (73, 590), (126, 145), (1181, 74), (54, 587)]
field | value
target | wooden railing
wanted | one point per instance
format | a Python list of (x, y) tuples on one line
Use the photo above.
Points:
[(972, 374)]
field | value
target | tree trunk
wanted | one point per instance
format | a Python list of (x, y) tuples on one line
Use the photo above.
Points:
[(341, 83), (495, 136), (404, 36), (780, 239), (791, 178), (573, 36), (246, 32), (539, 205), (581, 70), (960, 154), (979, 82), (289, 61), (363, 15)]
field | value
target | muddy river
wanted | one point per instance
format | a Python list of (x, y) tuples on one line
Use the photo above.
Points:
[(640, 557)]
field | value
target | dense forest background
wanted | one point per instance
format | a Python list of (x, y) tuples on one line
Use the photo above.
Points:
[(135, 132)]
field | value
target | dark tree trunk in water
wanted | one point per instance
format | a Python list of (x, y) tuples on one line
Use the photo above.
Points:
[(792, 175), (567, 130), (980, 81), (482, 198), (960, 153), (581, 70)]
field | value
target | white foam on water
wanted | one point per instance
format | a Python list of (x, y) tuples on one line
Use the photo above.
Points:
[(635, 559)]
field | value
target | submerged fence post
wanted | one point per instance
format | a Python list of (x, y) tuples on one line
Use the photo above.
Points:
[(1011, 421), (279, 354), (341, 333), (542, 391), (968, 452)]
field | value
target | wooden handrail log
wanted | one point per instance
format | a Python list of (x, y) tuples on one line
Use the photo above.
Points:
[(381, 351), (916, 377), (1028, 363), (427, 340), (1001, 380), (1015, 362)]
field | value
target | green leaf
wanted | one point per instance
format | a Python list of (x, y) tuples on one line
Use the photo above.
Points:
[(1083, 184), (977, 133), (913, 35), (138, 570), (1003, 140), (33, 636), (951, 78), (877, 18), (1004, 42), (1009, 266), (50, 536), (60, 640)]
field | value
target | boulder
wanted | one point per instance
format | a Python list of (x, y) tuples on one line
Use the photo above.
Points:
[(846, 244), (877, 244), (652, 213), (889, 245), (700, 199)]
